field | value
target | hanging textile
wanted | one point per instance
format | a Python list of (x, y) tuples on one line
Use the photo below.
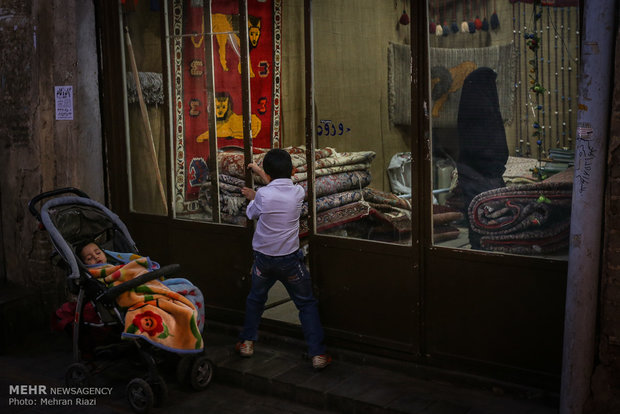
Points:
[(191, 102)]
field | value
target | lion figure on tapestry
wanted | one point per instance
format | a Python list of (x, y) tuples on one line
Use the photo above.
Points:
[(228, 123), (225, 35)]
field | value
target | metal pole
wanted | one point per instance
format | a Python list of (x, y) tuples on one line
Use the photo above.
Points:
[(587, 204), (310, 111)]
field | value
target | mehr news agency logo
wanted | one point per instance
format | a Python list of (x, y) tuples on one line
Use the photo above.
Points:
[(42, 395)]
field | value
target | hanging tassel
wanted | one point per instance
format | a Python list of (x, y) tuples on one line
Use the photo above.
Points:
[(432, 27), (494, 21), (404, 18), (465, 27), (478, 23), (485, 22), (471, 25), (454, 26), (494, 18), (438, 30), (445, 28)]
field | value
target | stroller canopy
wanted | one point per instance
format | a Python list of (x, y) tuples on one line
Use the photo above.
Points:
[(72, 221)]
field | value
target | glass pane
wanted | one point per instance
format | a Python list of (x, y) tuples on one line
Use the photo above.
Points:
[(362, 76), (208, 89), (503, 90), (145, 109)]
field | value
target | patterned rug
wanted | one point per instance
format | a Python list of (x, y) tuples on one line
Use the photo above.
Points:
[(524, 219)]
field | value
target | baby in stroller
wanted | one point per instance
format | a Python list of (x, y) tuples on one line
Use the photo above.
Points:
[(98, 259), (127, 294)]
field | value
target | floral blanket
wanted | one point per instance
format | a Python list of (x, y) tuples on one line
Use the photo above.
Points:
[(154, 312)]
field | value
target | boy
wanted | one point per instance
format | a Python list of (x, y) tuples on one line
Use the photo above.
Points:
[(277, 256)]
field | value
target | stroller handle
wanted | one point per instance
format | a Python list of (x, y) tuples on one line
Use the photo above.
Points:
[(48, 194), (114, 291)]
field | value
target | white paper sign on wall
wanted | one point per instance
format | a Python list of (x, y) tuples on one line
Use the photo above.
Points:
[(64, 103)]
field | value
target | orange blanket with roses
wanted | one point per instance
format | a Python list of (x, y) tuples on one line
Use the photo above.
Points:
[(153, 311)]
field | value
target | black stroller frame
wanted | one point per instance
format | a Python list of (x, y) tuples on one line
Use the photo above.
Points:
[(71, 220)]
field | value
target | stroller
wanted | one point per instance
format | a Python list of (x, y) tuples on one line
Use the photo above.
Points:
[(71, 218)]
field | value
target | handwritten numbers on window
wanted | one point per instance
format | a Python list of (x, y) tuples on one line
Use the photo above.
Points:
[(328, 128)]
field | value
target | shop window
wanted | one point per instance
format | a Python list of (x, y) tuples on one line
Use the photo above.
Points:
[(503, 118), (209, 93), (145, 108), (363, 187)]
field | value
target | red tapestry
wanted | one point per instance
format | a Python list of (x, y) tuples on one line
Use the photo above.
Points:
[(190, 91)]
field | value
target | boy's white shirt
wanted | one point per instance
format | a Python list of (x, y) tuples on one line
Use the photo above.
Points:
[(277, 207)]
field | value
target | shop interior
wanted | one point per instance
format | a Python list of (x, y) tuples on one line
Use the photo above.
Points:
[(502, 94)]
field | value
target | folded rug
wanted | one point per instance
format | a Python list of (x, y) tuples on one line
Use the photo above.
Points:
[(531, 218)]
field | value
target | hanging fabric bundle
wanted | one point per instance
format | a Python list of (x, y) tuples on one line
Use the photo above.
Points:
[(438, 29), (404, 18), (446, 27), (454, 26), (477, 21), (431, 25), (494, 18), (485, 22), (464, 24), (471, 24)]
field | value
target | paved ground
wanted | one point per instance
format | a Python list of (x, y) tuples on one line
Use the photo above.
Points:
[(43, 363), (278, 379)]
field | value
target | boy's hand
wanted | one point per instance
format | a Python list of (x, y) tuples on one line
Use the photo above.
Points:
[(248, 193), (259, 171), (254, 167)]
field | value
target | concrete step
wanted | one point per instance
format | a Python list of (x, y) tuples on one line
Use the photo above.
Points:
[(283, 370)]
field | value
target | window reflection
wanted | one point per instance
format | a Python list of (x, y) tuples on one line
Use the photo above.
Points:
[(502, 97), (144, 109), (363, 180), (210, 136)]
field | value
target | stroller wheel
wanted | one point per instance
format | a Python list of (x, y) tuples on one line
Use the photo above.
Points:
[(140, 395), (76, 375), (183, 367), (201, 373), (160, 390)]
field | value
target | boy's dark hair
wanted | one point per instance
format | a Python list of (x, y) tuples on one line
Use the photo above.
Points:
[(278, 164)]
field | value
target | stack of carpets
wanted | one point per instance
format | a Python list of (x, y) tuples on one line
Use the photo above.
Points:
[(341, 186)]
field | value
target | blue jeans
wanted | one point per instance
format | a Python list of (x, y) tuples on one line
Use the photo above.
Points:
[(293, 273)]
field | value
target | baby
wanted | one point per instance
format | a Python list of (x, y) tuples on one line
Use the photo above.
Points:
[(92, 254)]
